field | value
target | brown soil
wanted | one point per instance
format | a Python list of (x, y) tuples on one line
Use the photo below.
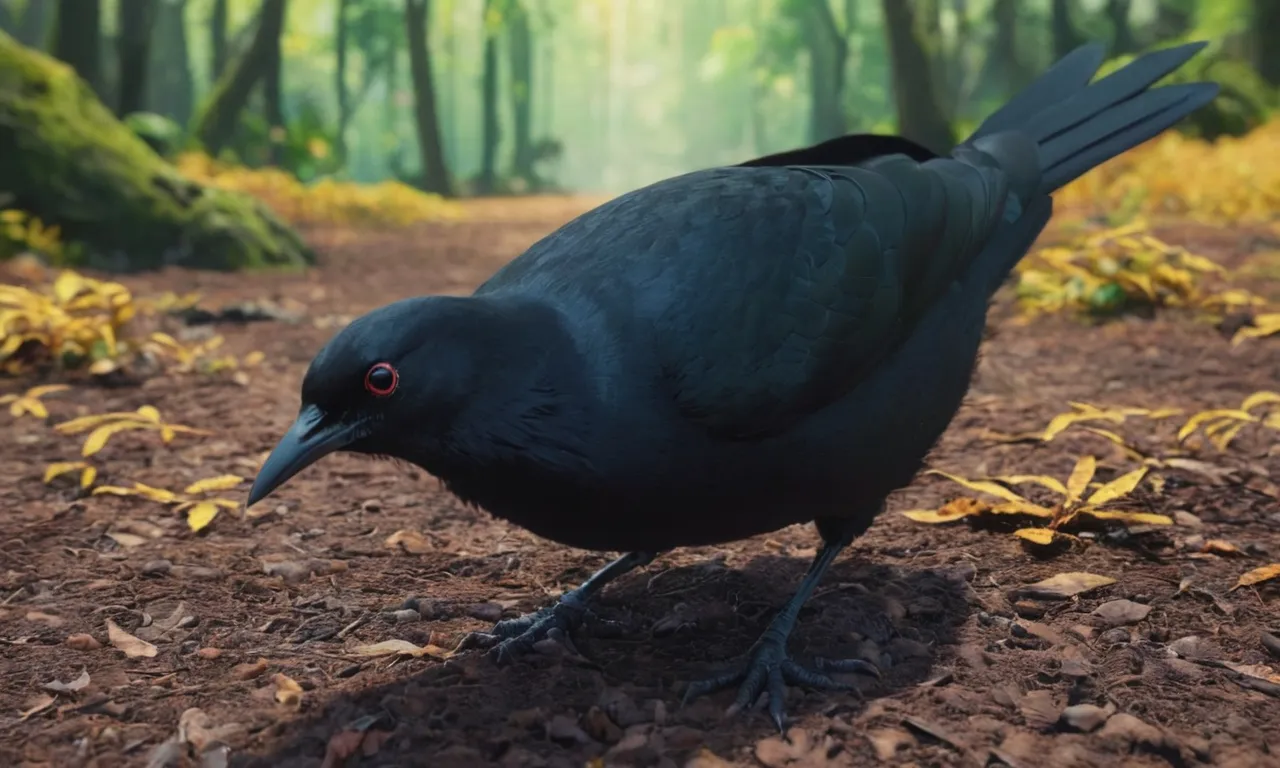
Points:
[(973, 674)]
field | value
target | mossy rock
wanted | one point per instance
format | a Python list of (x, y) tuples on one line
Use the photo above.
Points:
[(66, 159)]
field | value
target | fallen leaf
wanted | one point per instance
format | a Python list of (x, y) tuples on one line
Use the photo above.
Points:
[(133, 647), (126, 540), (1221, 547), (409, 541), (71, 687), (1118, 613), (219, 483), (249, 670), (402, 648), (288, 692), (1040, 708), (1257, 576), (1260, 671), (1044, 537), (82, 642), (1065, 585), (200, 515), (37, 705)]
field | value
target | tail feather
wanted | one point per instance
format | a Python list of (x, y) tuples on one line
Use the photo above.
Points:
[(1068, 75), (1078, 125)]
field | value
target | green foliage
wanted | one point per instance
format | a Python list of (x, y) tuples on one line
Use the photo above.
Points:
[(160, 133)]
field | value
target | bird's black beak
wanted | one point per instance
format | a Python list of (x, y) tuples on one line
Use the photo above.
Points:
[(306, 442)]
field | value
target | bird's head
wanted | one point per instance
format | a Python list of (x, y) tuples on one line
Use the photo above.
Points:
[(398, 370)]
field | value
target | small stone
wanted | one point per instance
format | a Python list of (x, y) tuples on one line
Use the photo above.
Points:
[(1194, 647), (405, 616), (209, 654), (371, 507), (485, 611), (565, 729), (1127, 729), (1029, 609), (633, 749), (1117, 636), (156, 568), (1119, 613)]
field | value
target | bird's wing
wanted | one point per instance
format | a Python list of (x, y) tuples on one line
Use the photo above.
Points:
[(801, 280)]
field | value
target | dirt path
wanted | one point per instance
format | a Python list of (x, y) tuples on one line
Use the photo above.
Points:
[(973, 672)]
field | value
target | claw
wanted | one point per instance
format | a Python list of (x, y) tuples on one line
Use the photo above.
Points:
[(510, 638), (768, 671)]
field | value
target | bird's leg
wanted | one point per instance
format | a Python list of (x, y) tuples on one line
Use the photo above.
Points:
[(512, 636), (768, 668)]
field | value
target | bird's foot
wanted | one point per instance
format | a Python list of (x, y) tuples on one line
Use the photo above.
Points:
[(768, 669), (512, 637)]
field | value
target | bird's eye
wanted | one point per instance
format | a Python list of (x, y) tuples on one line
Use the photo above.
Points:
[(381, 380)]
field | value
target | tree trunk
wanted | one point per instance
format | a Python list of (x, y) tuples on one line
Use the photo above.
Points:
[(1066, 37), (273, 100), (127, 209), (1122, 40), (520, 55), (919, 117), (33, 28), (489, 105), (170, 91), (218, 117), (828, 52), (1003, 72), (133, 45), (435, 170), (77, 39), (218, 21), (1266, 20), (340, 77)]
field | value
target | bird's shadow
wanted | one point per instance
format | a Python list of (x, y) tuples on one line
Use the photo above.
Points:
[(677, 625)]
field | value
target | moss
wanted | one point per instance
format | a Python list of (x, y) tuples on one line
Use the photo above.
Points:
[(65, 158)]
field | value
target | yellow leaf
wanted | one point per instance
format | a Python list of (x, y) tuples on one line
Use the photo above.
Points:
[(1081, 474), (219, 483), (1132, 518), (1164, 413), (155, 494), (102, 367), (166, 340), (84, 423), (1065, 585), (1263, 325), (1221, 547), (1121, 486), (34, 407), (114, 490), (149, 413), (981, 486), (253, 358), (1060, 422), (98, 438), (1044, 537), (1224, 438), (66, 286), (133, 647), (1257, 576), (1044, 481), (935, 516), (225, 503), (288, 692), (201, 514), (1250, 402), (1022, 508), (60, 468), (45, 389), (88, 476), (1197, 419)]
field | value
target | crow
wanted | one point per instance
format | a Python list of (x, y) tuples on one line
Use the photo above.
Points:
[(729, 351)]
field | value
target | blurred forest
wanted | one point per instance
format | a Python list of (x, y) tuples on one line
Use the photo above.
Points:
[(514, 96)]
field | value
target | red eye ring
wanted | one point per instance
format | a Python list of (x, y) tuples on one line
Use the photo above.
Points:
[(376, 382)]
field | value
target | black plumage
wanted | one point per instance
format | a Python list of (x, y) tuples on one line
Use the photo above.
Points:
[(730, 351)]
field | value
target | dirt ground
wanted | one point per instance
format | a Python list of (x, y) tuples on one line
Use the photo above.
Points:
[(976, 673)]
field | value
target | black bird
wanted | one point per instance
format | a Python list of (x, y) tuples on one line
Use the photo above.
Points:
[(730, 351)]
